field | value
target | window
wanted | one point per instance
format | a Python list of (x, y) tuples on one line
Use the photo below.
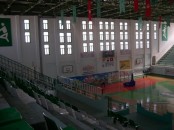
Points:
[(45, 24), (101, 46), (100, 25), (69, 47), (26, 24), (84, 25), (121, 35), (126, 35), (112, 25), (68, 37), (121, 46), (90, 36), (147, 35), (126, 46), (45, 36), (101, 35), (61, 35), (91, 47), (121, 26), (68, 25), (137, 44), (27, 37), (106, 25), (107, 46), (141, 35), (85, 47), (84, 36), (125, 26), (154, 27), (62, 49), (155, 35), (141, 44), (112, 35), (148, 44), (60, 24), (90, 25), (46, 48), (136, 36), (112, 45), (107, 35), (136, 26), (147, 27)]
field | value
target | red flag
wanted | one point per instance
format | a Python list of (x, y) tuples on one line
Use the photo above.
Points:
[(89, 10), (160, 20), (136, 5), (148, 8)]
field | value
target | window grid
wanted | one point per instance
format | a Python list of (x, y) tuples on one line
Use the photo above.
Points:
[(107, 46), (148, 44), (26, 24), (101, 35), (90, 25), (85, 47), (112, 25), (84, 25), (46, 48), (90, 36), (62, 39), (84, 36), (112, 45), (91, 47), (68, 37), (69, 49), (60, 25), (45, 24), (27, 37), (100, 25), (101, 46), (112, 36), (62, 49), (45, 36), (68, 24), (107, 35), (106, 25)]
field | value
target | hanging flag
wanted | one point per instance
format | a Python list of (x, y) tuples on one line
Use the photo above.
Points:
[(98, 8), (160, 20), (74, 13), (164, 32), (154, 2), (89, 10), (168, 21), (136, 5), (62, 16), (148, 8), (140, 23), (122, 6)]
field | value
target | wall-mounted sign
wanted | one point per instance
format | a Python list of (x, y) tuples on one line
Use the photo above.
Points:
[(67, 69), (164, 32), (125, 64)]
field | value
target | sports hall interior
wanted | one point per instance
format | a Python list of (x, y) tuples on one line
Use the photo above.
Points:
[(86, 65)]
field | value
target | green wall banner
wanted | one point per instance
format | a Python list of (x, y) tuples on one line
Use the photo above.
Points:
[(164, 32), (5, 32)]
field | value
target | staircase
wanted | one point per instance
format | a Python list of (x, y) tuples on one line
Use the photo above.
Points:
[(167, 59)]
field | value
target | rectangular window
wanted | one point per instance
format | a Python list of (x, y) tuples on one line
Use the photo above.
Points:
[(68, 37), (26, 24), (69, 47), (136, 35), (112, 36), (121, 35), (147, 35), (46, 48), (155, 35), (27, 37), (100, 25), (121, 26), (136, 26), (126, 35), (106, 25), (68, 25), (90, 25), (101, 35), (84, 25), (112, 45), (126, 46), (60, 25), (45, 24), (154, 27), (61, 36), (101, 46), (107, 46), (125, 26), (112, 25), (62, 49), (137, 45), (84, 36), (141, 35), (121, 46), (85, 47), (107, 35), (45, 36), (148, 44), (141, 44), (147, 27), (90, 36), (91, 47)]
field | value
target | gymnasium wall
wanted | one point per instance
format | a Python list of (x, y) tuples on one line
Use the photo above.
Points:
[(79, 63)]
